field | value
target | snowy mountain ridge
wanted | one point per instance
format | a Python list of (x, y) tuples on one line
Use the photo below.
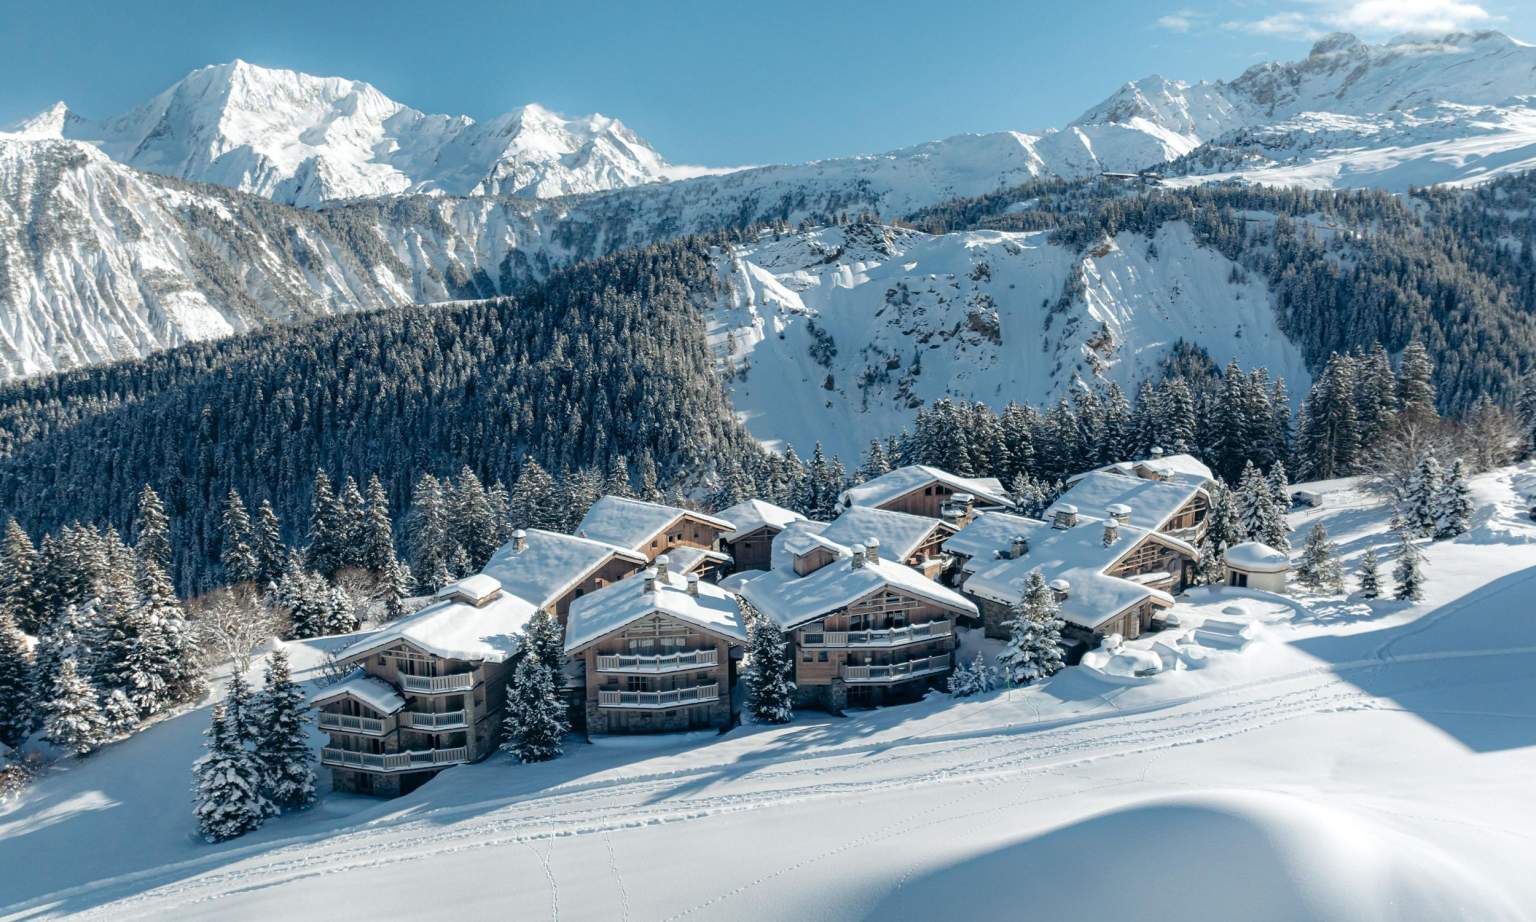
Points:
[(303, 140)]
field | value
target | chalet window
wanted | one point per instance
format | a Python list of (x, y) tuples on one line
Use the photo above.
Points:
[(806, 657), (822, 658)]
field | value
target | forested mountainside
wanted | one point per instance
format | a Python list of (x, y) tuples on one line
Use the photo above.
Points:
[(603, 361)]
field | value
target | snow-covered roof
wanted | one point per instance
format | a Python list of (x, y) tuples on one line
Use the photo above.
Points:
[(751, 514), (474, 589), (1181, 467), (900, 533), (685, 559), (632, 523), (792, 600), (903, 480), (613, 606), (1152, 502), (733, 582), (798, 539), (1077, 555), (988, 533), (550, 563), (376, 693), (454, 629), (1256, 557)]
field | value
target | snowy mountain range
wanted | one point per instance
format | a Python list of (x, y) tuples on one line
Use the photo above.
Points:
[(116, 238), (302, 140)]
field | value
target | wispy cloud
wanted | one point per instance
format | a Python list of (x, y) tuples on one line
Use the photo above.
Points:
[(1181, 21), (1311, 19)]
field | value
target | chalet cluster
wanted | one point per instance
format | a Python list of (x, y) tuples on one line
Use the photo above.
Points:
[(653, 600)]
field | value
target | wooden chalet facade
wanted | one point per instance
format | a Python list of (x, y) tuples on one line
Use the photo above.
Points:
[(550, 570), (652, 529), (928, 491), (757, 523)]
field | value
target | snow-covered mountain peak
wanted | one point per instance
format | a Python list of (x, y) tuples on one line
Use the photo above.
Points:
[(52, 122)]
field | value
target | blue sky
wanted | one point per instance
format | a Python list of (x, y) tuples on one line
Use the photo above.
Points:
[(712, 83)]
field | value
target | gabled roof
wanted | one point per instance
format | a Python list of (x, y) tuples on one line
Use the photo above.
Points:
[(903, 480), (751, 514), (988, 533), (792, 600), (1181, 467), (686, 559), (453, 629), (799, 539), (550, 564), (632, 523), (376, 693), (1077, 555), (617, 604), (1152, 502), (900, 533)]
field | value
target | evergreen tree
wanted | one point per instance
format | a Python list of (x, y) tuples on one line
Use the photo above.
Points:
[(1369, 574), (546, 640), (1029, 498), (616, 482), (17, 702), (823, 483), (1261, 521), (282, 744), (1409, 571), (228, 799), (770, 670), (72, 718), (68, 635), (972, 678), (1328, 433), (238, 556), (1375, 395), (1421, 498), (119, 715), (1452, 510), (1415, 385), (535, 501), (535, 724), (164, 670), (431, 540), (267, 544), (351, 519), (1034, 635), (1319, 565), (1279, 487), (377, 539), (394, 588), (20, 597), (875, 462), (153, 541), (324, 554)]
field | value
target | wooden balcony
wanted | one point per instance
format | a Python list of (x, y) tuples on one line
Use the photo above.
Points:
[(424, 720), (667, 662), (888, 637), (438, 684), (346, 723), (698, 694), (896, 672), (415, 760)]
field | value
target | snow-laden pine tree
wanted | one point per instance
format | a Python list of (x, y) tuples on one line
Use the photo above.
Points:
[(377, 538), (238, 554), (119, 714), (429, 536), (546, 639), (972, 678), (1369, 574), (1415, 384), (770, 670), (1452, 507), (1029, 498), (17, 708), (1319, 567), (20, 594), (351, 523), (282, 744), (536, 722), (152, 529), (394, 588), (72, 717), (1261, 520), (616, 480), (875, 462), (171, 656), (1408, 573), (324, 554), (227, 796), (267, 544), (1421, 495), (1279, 487), (1034, 635), (534, 501)]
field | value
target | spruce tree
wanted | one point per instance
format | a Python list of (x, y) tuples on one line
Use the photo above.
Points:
[(227, 795), (20, 595), (393, 589), (1261, 519), (616, 481), (324, 554), (430, 538), (1369, 574), (351, 518), (165, 671), (1279, 487), (770, 670), (534, 500), (72, 718), (1452, 510), (377, 538), (972, 678), (1421, 497), (536, 724), (119, 715), (17, 702), (1319, 566), (267, 545), (238, 554), (1408, 574), (875, 463), (546, 640), (1034, 635), (153, 529), (282, 744), (1415, 384)]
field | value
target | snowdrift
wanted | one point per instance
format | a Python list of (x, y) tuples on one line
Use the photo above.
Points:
[(1219, 856)]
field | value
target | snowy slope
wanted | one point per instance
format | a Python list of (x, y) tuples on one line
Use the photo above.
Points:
[(975, 316), (1355, 762), (302, 140)]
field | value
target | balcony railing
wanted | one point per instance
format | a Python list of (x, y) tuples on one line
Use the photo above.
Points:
[(662, 662), (887, 637), (394, 761), (896, 672), (423, 720), (349, 724), (437, 684), (698, 694)]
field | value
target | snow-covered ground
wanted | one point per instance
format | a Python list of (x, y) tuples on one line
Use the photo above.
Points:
[(1353, 761)]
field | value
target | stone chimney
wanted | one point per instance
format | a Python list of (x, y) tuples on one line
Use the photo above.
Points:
[(858, 557), (693, 584), (1111, 531), (1120, 513), (663, 565), (1018, 547), (872, 549), (1066, 516), (1157, 451), (519, 541), (1061, 587), (650, 579)]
